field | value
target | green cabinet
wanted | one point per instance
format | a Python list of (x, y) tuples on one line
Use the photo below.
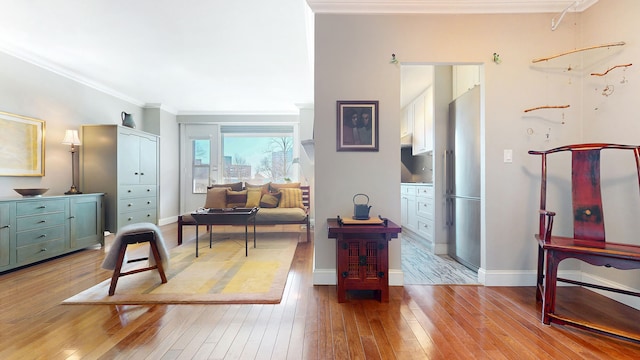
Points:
[(39, 228), (122, 163)]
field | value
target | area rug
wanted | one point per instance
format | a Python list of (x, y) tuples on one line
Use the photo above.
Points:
[(220, 275)]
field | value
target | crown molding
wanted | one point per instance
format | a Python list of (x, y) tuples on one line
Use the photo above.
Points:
[(46, 65), (445, 6)]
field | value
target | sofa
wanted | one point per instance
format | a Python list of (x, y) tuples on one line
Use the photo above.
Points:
[(279, 204)]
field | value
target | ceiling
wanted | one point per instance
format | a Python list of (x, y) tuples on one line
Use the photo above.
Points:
[(201, 56)]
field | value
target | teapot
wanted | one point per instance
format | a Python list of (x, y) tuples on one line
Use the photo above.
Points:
[(361, 211)]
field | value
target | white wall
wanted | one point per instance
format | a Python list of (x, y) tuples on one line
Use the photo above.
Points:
[(352, 63), (29, 90)]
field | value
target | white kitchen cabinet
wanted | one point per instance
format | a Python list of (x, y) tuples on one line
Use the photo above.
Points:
[(417, 213), (406, 121), (122, 163), (423, 113)]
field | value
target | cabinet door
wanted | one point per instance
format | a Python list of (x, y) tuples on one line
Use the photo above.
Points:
[(129, 158), (86, 226), (5, 236), (418, 126), (148, 160)]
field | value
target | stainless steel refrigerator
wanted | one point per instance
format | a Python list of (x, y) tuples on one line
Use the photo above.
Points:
[(463, 179)]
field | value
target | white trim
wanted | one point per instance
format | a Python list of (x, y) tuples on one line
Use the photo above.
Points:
[(324, 277), (443, 6), (628, 300), (46, 65)]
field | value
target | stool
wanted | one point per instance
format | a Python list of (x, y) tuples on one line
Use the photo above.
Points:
[(136, 238)]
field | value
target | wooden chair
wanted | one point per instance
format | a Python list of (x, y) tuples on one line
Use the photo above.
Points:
[(588, 243), (135, 238)]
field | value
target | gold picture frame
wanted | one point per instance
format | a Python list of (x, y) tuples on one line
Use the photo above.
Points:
[(21, 145)]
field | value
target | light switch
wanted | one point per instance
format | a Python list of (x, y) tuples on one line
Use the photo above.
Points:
[(508, 155)]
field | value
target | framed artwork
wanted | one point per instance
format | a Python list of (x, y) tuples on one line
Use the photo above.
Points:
[(357, 126), (21, 145)]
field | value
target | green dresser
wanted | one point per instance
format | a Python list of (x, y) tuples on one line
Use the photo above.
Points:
[(38, 228)]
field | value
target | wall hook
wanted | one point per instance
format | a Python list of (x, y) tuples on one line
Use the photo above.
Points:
[(496, 58), (393, 59)]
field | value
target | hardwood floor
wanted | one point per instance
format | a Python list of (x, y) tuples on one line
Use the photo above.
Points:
[(419, 322)]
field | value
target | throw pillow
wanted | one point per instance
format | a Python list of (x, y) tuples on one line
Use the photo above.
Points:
[(263, 187), (275, 187), (237, 186), (216, 198), (291, 198), (270, 200), (253, 197), (236, 198)]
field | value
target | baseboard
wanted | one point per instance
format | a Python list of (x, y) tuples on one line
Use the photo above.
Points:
[(632, 301), (168, 220), (328, 277), (324, 277), (519, 278)]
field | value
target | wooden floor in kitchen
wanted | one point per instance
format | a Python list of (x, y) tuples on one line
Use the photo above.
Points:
[(419, 322)]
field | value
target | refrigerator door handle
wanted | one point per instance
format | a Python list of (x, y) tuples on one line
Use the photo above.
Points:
[(449, 217)]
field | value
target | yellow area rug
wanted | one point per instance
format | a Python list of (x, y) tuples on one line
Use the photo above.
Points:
[(219, 275)]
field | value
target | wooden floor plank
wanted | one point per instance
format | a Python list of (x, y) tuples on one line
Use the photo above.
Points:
[(418, 322)]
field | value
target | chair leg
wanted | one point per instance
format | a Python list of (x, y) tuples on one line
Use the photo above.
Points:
[(550, 283), (156, 256), (540, 276), (116, 271)]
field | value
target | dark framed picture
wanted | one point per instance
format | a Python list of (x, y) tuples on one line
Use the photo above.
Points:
[(357, 126)]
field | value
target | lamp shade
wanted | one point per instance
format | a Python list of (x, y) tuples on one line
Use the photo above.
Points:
[(71, 138)]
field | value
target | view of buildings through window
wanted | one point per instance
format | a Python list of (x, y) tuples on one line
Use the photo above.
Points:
[(256, 157)]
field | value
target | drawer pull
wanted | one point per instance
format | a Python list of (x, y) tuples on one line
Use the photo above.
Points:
[(148, 190), (43, 249), (5, 227), (42, 207), (148, 202), (42, 236), (130, 218), (136, 173), (141, 173), (129, 204), (72, 217), (42, 221), (129, 190)]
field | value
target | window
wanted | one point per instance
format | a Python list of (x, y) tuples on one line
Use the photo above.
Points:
[(201, 150), (258, 153)]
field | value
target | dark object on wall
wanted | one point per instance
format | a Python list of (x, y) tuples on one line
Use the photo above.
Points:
[(357, 126), (127, 120)]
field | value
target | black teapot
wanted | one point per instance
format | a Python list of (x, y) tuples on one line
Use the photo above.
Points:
[(361, 211)]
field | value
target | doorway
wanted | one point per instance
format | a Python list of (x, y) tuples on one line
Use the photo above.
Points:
[(425, 258)]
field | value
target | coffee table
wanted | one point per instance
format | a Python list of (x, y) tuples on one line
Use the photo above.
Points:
[(230, 216)]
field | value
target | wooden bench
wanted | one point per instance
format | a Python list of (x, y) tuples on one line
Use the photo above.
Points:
[(588, 243), (187, 219)]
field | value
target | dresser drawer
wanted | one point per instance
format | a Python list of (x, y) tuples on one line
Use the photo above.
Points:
[(148, 215), (40, 251), (407, 190), (424, 207), (35, 207), (426, 191), (425, 229), (40, 235), (133, 191), (39, 221), (136, 204)]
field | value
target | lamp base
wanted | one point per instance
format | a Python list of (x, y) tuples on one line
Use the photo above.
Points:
[(73, 191)]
